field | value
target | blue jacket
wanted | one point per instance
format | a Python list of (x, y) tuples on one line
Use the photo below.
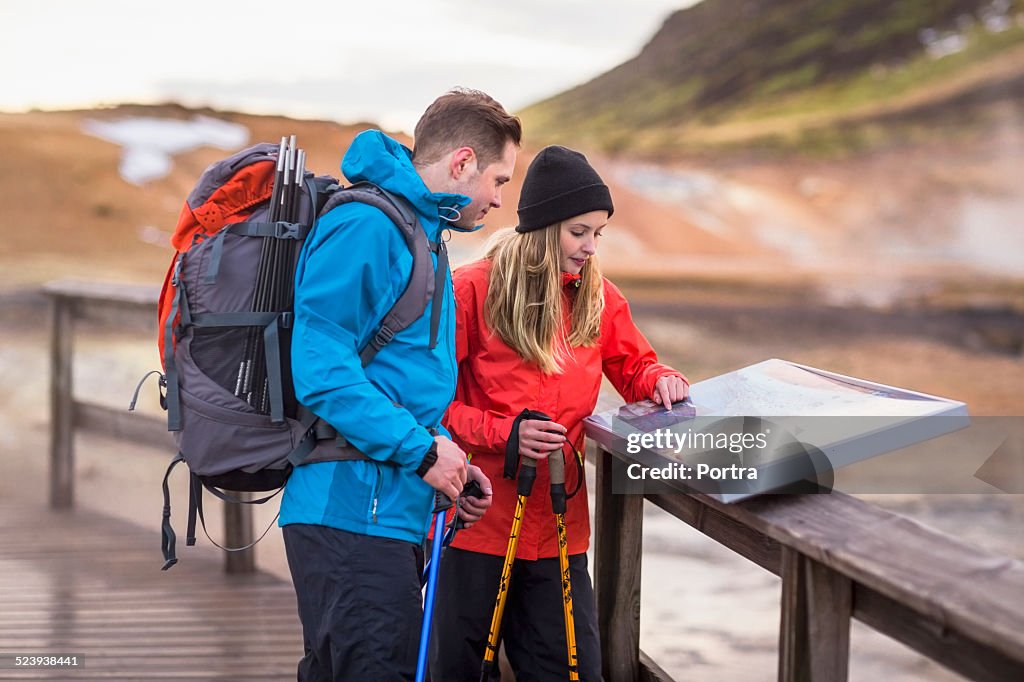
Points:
[(352, 269)]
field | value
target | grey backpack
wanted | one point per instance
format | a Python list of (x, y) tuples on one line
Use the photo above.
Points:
[(225, 325)]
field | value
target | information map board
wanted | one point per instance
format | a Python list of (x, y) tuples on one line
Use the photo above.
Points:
[(767, 427)]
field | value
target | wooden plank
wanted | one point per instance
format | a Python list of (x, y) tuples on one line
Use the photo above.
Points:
[(110, 304), (941, 644), (651, 671), (814, 637), (618, 548), (120, 423), (116, 293), (957, 585), (970, 594), (128, 618), (62, 458), (238, 532), (126, 318), (748, 543)]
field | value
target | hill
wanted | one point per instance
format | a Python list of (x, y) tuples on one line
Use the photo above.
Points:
[(69, 213), (823, 78), (935, 220)]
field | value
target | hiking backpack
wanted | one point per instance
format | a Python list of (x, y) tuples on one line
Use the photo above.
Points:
[(226, 312)]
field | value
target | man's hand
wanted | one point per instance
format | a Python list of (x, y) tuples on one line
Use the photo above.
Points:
[(538, 438), (472, 509), (668, 390), (448, 474)]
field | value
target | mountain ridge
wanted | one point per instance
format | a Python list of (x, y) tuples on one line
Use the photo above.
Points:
[(740, 62)]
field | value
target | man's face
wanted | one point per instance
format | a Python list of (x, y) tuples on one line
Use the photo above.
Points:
[(483, 187)]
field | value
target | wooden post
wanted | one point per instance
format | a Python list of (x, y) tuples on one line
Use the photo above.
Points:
[(814, 635), (238, 532), (62, 456), (617, 550)]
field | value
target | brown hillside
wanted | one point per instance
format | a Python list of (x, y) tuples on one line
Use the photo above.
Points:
[(69, 213)]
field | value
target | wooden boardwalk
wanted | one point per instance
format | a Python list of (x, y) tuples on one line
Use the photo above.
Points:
[(75, 582)]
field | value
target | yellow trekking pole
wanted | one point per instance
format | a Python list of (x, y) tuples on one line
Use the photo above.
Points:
[(527, 475), (556, 467)]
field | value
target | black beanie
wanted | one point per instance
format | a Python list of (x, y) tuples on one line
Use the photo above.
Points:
[(560, 184)]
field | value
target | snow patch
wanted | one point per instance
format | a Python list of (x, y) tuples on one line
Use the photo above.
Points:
[(149, 143)]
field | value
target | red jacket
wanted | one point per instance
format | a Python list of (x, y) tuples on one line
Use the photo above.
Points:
[(495, 384)]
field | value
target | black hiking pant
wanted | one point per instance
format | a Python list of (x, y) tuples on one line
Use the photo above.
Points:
[(359, 602), (533, 627)]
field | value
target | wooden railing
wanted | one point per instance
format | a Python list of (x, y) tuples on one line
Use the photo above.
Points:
[(122, 307), (838, 557)]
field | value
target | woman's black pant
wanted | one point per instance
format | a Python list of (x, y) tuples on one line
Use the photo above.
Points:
[(533, 627)]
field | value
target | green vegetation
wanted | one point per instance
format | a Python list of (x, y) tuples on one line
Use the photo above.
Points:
[(883, 83), (821, 78)]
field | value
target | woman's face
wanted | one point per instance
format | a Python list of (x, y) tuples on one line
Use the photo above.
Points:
[(578, 239)]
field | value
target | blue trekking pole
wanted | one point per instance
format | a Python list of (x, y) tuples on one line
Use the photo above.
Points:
[(441, 540), (442, 504)]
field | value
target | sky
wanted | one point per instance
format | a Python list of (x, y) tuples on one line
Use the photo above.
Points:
[(347, 61)]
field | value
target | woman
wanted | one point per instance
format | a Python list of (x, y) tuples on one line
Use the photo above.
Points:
[(537, 327)]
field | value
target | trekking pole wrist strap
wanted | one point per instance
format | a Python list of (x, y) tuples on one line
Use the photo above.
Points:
[(512, 446)]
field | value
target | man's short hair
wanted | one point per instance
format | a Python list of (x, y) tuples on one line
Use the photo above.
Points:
[(465, 118)]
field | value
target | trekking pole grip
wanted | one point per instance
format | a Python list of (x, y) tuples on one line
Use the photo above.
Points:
[(527, 475), (441, 502), (556, 469)]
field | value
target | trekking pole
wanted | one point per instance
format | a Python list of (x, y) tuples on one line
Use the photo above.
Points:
[(556, 467), (441, 506), (291, 247), (274, 283), (243, 387), (527, 475), (471, 489)]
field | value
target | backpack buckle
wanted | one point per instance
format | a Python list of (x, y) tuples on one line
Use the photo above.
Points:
[(285, 230), (383, 337), (162, 389)]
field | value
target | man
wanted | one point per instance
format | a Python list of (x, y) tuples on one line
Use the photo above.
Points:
[(353, 530)]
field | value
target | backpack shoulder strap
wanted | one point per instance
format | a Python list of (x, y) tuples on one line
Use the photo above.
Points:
[(422, 281)]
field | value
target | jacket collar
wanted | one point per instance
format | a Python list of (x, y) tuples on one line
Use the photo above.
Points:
[(375, 157), (570, 279)]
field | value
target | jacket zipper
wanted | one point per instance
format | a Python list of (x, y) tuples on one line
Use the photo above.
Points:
[(453, 368), (376, 493)]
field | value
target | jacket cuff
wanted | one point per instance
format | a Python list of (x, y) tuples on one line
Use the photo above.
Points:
[(429, 460), (504, 428), (410, 453)]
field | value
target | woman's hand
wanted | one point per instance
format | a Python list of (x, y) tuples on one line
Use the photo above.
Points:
[(539, 438), (471, 509), (668, 390)]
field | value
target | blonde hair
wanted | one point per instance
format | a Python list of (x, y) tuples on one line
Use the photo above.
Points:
[(524, 297)]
